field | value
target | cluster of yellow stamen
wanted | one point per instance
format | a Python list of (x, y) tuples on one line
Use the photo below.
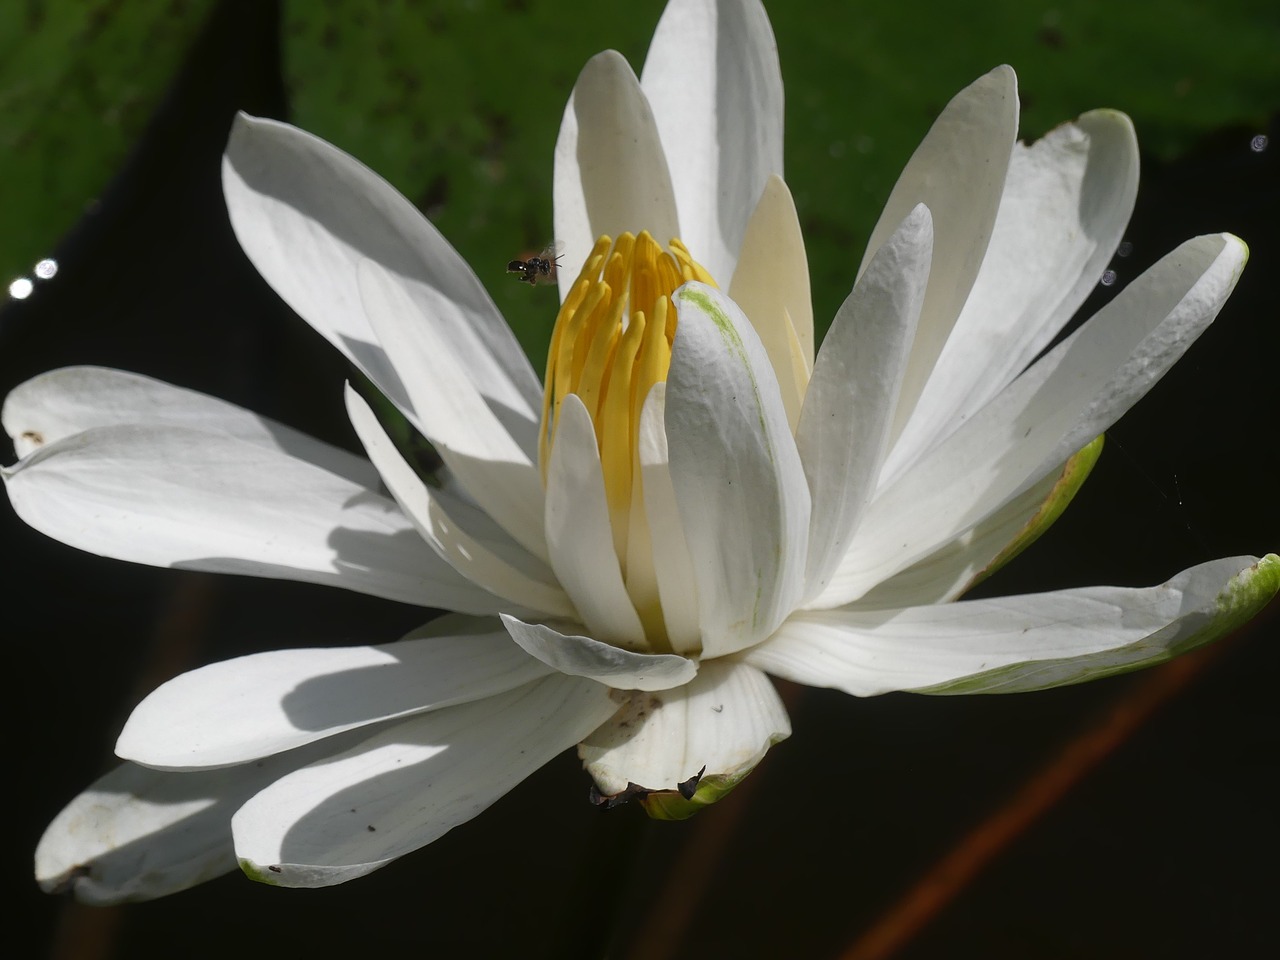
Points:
[(611, 344)]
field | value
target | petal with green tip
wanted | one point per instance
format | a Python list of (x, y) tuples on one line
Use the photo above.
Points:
[(1011, 644)]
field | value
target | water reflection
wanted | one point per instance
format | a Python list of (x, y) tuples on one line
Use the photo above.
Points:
[(23, 287)]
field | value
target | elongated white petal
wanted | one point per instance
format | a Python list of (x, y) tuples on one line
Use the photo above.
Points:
[(844, 427), (743, 500), (256, 706), (1068, 397), (306, 214), (958, 172), (177, 497), (1191, 284), (772, 288), (580, 656), (57, 404), (1011, 644), (579, 534), (526, 583), (713, 79), (1081, 177), (673, 568), (409, 783), (611, 174), (724, 720), (138, 834), (967, 558), (452, 412)]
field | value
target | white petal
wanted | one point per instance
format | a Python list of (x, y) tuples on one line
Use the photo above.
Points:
[(57, 404), (1184, 290), (452, 412), (725, 720), (263, 704), (958, 564), (409, 783), (581, 656), (673, 568), (138, 834), (526, 582), (713, 79), (611, 174), (958, 172), (306, 214), (1066, 202), (177, 497), (844, 427), (772, 288), (1067, 398), (579, 533), (743, 500), (1012, 644)]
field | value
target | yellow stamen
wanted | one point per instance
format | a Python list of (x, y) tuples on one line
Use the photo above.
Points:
[(611, 344)]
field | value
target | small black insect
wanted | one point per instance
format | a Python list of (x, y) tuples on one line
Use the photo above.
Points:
[(540, 268)]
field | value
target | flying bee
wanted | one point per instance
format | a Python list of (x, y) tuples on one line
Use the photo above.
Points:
[(541, 268)]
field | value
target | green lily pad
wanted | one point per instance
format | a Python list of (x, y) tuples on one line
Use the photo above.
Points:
[(78, 83)]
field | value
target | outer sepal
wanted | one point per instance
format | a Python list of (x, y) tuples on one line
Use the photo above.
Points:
[(677, 750), (672, 805)]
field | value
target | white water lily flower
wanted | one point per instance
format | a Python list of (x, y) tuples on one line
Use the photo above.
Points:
[(693, 501)]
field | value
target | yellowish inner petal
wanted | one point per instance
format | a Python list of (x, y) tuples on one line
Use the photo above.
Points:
[(611, 344)]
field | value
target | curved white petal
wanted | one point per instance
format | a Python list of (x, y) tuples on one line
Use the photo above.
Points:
[(579, 533), (1066, 202), (138, 834), (177, 497), (580, 656), (958, 172), (844, 425), (739, 484), (772, 288), (611, 173), (452, 412), (1012, 644), (673, 568), (409, 783), (956, 565), (306, 214), (265, 703), (1067, 398), (713, 79), (523, 581), (57, 404), (724, 720), (1189, 285)]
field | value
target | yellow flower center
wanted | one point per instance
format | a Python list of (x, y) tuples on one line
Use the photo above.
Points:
[(611, 344)]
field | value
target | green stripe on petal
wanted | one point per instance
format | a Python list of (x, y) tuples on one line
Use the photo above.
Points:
[(1074, 473), (1240, 599)]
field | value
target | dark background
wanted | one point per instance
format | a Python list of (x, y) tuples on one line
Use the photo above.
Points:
[(1165, 849)]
